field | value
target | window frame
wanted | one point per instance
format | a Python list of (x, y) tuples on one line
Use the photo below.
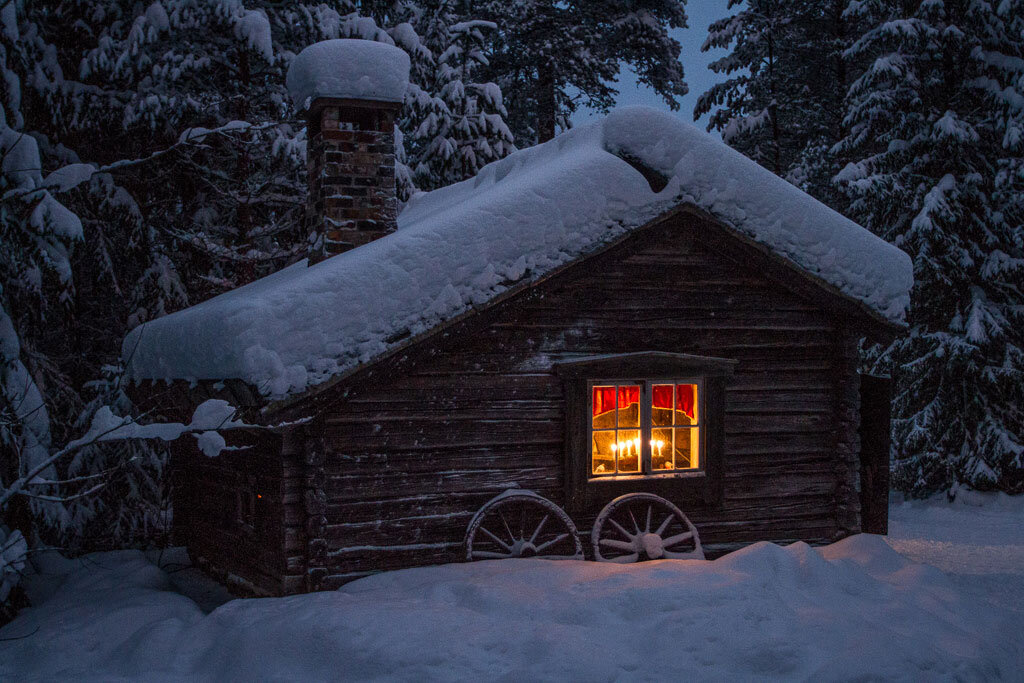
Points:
[(585, 493), (647, 425)]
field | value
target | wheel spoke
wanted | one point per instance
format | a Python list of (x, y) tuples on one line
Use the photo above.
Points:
[(536, 532), (507, 528), (664, 525), (678, 538), (691, 555), (621, 530), (497, 540), (625, 559), (635, 525), (650, 511), (548, 544), (618, 545), (500, 529)]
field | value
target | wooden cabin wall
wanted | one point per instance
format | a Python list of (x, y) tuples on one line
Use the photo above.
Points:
[(416, 446), (259, 555)]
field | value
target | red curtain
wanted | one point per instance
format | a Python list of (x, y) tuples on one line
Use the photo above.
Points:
[(604, 398), (685, 394), (662, 397), (685, 398), (628, 396)]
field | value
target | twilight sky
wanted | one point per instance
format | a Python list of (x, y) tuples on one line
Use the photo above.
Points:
[(698, 76)]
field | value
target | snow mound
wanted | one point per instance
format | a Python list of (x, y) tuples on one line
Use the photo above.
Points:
[(518, 220), (855, 610), (348, 68)]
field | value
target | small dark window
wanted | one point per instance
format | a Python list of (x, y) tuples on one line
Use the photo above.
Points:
[(647, 421)]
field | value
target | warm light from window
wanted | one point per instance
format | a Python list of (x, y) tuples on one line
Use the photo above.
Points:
[(672, 432)]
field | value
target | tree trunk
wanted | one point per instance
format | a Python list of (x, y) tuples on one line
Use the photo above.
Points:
[(546, 113)]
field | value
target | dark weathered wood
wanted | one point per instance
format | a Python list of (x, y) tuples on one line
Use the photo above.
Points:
[(416, 446), (875, 408), (847, 422), (404, 451)]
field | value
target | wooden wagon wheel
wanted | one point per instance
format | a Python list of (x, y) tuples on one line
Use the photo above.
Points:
[(519, 523), (643, 526)]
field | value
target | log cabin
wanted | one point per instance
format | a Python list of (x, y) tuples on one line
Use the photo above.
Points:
[(632, 307)]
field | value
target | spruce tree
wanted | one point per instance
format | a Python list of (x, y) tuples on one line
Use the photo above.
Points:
[(549, 58), (934, 128), (165, 164), (782, 101), (465, 127)]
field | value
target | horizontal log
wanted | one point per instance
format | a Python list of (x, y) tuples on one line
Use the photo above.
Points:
[(342, 488), (776, 424), (504, 456), (426, 529), (434, 503), (374, 558)]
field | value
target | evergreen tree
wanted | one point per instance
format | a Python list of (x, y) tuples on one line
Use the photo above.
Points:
[(934, 125), (550, 57), (77, 262), (151, 158), (465, 128), (782, 103)]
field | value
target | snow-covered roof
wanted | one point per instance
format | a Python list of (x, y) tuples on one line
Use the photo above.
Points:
[(348, 68), (522, 217)]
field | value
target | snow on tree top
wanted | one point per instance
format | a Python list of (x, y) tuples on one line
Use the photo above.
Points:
[(520, 218), (348, 68)]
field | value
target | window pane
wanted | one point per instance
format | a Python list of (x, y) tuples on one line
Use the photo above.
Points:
[(661, 449), (603, 407), (602, 451), (687, 447), (661, 405), (628, 448), (629, 406), (686, 404)]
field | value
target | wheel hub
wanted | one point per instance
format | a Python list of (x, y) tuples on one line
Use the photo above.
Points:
[(523, 548), (652, 545)]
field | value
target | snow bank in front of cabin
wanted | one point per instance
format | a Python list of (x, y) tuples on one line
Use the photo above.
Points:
[(348, 68), (853, 610), (520, 218)]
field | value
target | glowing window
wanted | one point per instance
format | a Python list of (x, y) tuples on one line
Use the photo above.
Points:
[(645, 427)]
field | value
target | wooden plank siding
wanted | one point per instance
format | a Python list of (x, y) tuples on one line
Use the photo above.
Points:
[(413, 448), (266, 557)]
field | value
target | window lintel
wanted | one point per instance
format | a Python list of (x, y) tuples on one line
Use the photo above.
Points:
[(645, 364)]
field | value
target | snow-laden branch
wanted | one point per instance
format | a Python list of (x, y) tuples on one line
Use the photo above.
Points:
[(71, 176), (208, 420)]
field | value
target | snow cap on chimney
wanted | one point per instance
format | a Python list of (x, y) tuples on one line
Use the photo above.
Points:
[(348, 69), (351, 91)]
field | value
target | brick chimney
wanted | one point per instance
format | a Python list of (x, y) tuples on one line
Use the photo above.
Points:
[(351, 91)]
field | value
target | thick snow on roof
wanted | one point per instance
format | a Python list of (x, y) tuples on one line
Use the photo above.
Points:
[(348, 68), (520, 218)]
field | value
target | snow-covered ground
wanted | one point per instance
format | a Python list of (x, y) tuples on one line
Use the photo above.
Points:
[(855, 610), (977, 540)]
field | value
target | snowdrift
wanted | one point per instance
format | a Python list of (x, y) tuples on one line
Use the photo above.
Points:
[(853, 610)]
